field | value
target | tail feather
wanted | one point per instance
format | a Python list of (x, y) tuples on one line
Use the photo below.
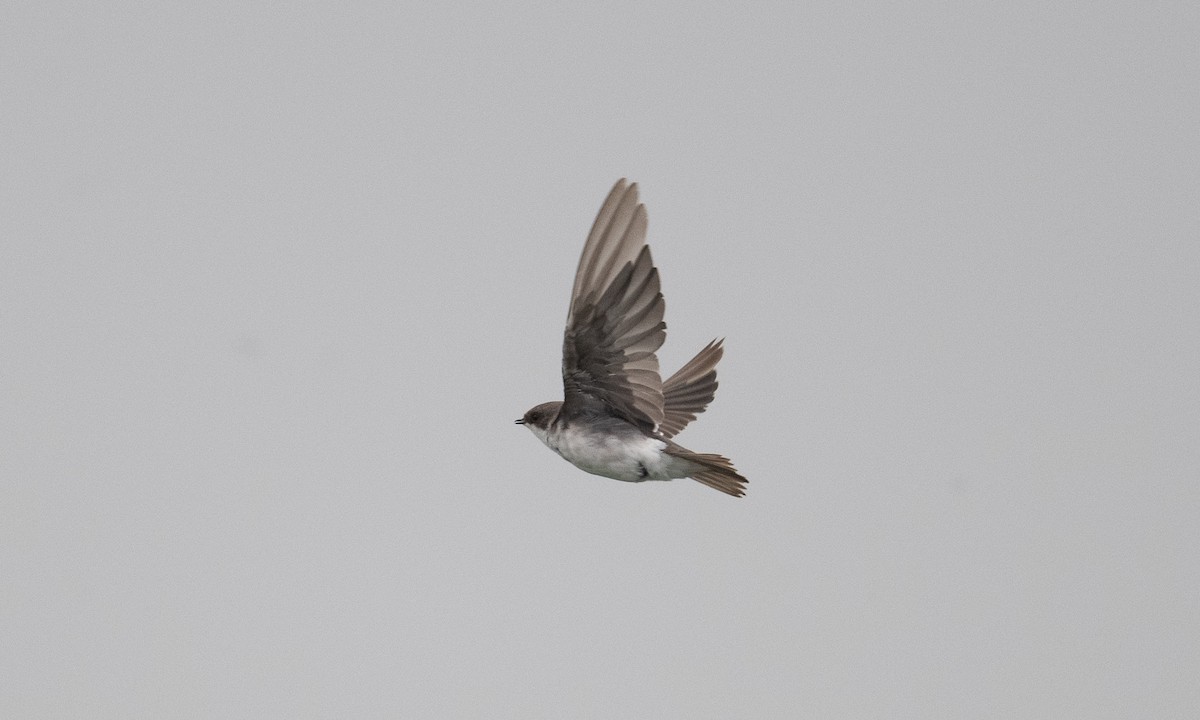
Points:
[(727, 481), (716, 471)]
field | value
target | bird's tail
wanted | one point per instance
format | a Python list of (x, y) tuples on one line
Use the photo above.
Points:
[(715, 471)]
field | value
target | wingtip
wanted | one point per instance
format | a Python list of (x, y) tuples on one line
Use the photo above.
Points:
[(624, 187)]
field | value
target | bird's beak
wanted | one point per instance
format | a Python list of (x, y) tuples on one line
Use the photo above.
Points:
[(521, 421)]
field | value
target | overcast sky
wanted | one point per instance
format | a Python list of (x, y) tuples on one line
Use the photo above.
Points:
[(275, 283)]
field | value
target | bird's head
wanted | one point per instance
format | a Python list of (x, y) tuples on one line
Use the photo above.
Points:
[(539, 417)]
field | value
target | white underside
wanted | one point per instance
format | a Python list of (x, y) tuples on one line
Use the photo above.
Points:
[(619, 458)]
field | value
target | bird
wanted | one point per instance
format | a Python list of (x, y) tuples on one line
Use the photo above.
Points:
[(617, 417)]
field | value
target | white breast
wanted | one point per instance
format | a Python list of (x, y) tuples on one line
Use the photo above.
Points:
[(632, 458)]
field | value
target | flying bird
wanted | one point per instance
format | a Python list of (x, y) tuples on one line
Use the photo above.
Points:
[(617, 417)]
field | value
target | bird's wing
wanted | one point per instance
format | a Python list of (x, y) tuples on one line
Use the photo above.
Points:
[(615, 323), (690, 389)]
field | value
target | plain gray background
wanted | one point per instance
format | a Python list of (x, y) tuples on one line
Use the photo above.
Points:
[(275, 283)]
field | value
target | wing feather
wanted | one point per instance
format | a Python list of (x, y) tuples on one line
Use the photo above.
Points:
[(689, 391), (615, 324)]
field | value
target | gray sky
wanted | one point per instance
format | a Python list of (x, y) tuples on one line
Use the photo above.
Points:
[(275, 284)]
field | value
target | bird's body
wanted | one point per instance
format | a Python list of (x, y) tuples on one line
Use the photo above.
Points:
[(613, 448), (618, 417)]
